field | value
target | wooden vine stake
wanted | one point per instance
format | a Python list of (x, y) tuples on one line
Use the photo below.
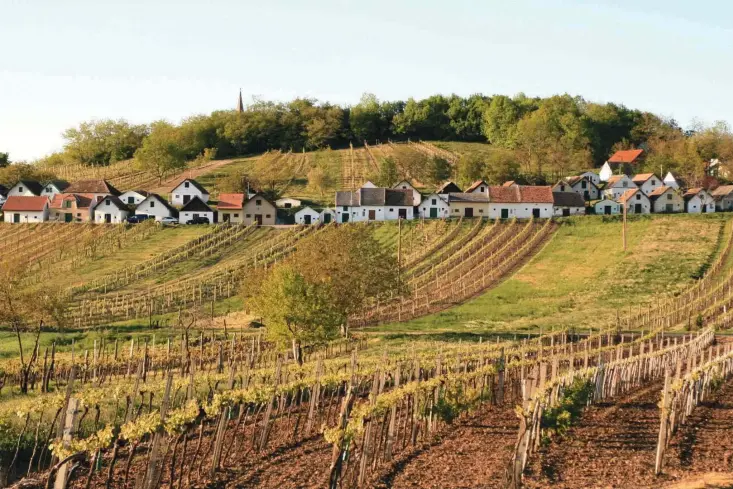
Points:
[(72, 409), (663, 424)]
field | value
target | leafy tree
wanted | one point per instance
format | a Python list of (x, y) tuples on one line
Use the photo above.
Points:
[(161, 152), (298, 309), (320, 180), (439, 170), (501, 117), (4, 160), (470, 168), (365, 118), (104, 142), (501, 166), (388, 173), (466, 116)]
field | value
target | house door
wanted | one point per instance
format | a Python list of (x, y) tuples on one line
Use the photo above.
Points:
[(433, 212), (669, 208), (345, 217), (586, 195), (607, 210), (16, 217), (307, 219), (372, 215), (637, 208), (226, 217), (258, 219), (505, 213), (565, 212), (326, 218), (402, 213), (108, 218), (535, 213), (68, 217), (468, 212), (186, 198)]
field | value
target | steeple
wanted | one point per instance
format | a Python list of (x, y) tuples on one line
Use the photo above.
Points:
[(240, 105)]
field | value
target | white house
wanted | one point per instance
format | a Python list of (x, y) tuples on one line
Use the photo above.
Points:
[(54, 187), (111, 210), (187, 190), (287, 203), (605, 172), (478, 187), (133, 197), (434, 206), (193, 209), (21, 209), (723, 197), (607, 207), (259, 211), (670, 180), (26, 188), (666, 200), (327, 216), (636, 202), (520, 201), (156, 206), (306, 215), (464, 204), (374, 204), (230, 208), (94, 188), (647, 182), (592, 176), (617, 185), (567, 204), (448, 188), (698, 200), (580, 185), (405, 185)]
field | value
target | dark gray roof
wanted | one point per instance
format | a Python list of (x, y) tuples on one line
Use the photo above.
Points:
[(375, 196), (32, 185), (196, 205), (346, 197), (61, 185), (567, 199), (115, 201), (3, 190), (448, 187), (466, 197)]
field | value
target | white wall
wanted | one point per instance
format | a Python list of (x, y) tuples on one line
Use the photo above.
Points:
[(117, 216), (643, 200), (180, 191), (458, 209), (592, 176), (300, 216), (520, 211), (702, 202), (589, 187), (184, 217), (136, 198), (574, 211), (600, 207), (650, 185), (235, 216), (15, 191), (27, 216), (159, 211), (676, 200), (381, 213), (434, 202)]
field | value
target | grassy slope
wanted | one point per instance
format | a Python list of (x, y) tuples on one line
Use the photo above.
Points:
[(582, 276)]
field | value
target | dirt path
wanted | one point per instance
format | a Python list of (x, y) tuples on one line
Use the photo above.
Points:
[(613, 446), (170, 183), (474, 453)]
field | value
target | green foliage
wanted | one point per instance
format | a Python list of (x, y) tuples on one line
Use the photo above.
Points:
[(556, 420), (388, 173), (4, 160), (10, 174), (470, 168), (103, 142), (161, 152), (438, 170)]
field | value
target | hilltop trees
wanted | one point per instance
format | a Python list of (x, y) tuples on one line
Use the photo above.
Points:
[(4, 160), (161, 151), (103, 142)]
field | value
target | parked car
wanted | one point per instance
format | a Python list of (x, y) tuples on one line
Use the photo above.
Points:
[(198, 220), (169, 221), (137, 218)]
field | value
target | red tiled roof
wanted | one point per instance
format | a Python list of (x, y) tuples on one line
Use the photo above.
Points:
[(504, 195), (537, 194), (658, 191), (230, 201), (18, 203), (474, 186), (82, 200), (509, 183), (625, 156), (614, 179), (627, 195), (693, 191), (641, 178)]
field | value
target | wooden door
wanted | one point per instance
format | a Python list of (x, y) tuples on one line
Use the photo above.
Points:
[(372, 215), (468, 212), (637, 208), (535, 213), (566, 212), (68, 217), (16, 217), (307, 219), (433, 212), (345, 217), (505, 213), (108, 218), (327, 218), (402, 213), (607, 210), (258, 219)]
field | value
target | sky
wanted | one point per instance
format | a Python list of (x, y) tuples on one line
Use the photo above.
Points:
[(64, 62)]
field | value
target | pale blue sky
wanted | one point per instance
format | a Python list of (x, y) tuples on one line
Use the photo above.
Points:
[(62, 62)]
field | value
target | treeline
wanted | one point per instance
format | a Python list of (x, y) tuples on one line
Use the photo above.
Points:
[(539, 136)]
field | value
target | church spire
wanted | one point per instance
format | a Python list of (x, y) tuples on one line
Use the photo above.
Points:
[(240, 105)]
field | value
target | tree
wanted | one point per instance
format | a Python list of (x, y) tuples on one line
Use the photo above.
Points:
[(297, 309), (388, 173), (439, 170), (4, 160), (470, 167), (104, 142), (319, 180), (161, 151), (365, 118), (500, 120), (501, 165)]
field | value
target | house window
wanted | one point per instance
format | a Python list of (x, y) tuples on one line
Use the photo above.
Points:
[(288, 205), (107, 202), (654, 182), (258, 202), (481, 189), (480, 211), (433, 201), (78, 214), (391, 210), (623, 184), (267, 216), (20, 189), (669, 196), (67, 204), (638, 196), (345, 208), (457, 211), (584, 184), (49, 189), (152, 203), (131, 200), (248, 216), (236, 215), (185, 184)]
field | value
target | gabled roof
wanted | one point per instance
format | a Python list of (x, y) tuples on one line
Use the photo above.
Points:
[(568, 199), (722, 191), (396, 185), (307, 209), (82, 200), (643, 177), (578, 178), (20, 203), (533, 194), (626, 156), (196, 205), (35, 187), (476, 185), (509, 183), (658, 192), (115, 201), (92, 187), (60, 185), (615, 179), (143, 193), (230, 201), (3, 190), (160, 200), (466, 197), (375, 196), (194, 183), (258, 195), (628, 194), (504, 195), (692, 192), (448, 187)]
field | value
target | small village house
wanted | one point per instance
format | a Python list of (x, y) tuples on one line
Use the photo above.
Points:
[(434, 206), (522, 202), (374, 204), (95, 188), (111, 210), (54, 187), (72, 207), (258, 210), (230, 208), (306, 215), (626, 161), (156, 206), (405, 185), (698, 200), (723, 197), (568, 204), (647, 182), (24, 209), (194, 209), (448, 188), (580, 185), (327, 216), (26, 188), (287, 203), (464, 204), (618, 185), (182, 193), (478, 187), (636, 202), (607, 207), (133, 197), (666, 200), (671, 181), (592, 176)]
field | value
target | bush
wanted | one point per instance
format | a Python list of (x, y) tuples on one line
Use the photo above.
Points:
[(557, 419)]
